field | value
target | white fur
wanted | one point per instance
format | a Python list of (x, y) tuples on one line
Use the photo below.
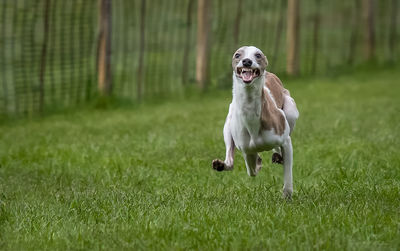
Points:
[(243, 123)]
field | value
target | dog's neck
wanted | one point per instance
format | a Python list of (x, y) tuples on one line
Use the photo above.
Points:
[(248, 97)]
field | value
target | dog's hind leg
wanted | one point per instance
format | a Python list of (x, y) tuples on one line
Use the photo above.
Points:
[(287, 153), (291, 112), (277, 156), (226, 165), (258, 164)]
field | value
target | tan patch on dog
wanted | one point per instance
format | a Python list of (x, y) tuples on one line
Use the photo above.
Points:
[(274, 84), (235, 61), (271, 117)]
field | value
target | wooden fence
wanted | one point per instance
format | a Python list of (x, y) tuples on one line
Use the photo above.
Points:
[(56, 53)]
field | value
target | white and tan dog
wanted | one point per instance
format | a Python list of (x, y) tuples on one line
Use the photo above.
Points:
[(261, 117)]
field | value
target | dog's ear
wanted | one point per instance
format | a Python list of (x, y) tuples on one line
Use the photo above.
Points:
[(266, 61)]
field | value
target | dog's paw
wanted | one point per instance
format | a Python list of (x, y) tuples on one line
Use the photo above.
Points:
[(287, 193), (277, 158), (218, 165), (258, 164)]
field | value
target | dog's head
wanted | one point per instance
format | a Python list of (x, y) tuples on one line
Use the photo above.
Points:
[(249, 63)]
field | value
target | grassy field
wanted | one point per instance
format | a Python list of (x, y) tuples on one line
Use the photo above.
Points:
[(141, 178)]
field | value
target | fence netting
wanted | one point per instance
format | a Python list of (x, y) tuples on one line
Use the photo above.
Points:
[(48, 48)]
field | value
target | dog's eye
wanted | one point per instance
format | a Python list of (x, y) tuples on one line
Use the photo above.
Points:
[(258, 55), (237, 55)]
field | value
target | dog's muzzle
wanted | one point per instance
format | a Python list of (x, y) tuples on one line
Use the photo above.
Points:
[(247, 74)]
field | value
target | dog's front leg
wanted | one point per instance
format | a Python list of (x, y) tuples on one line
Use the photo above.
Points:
[(287, 153), (226, 165)]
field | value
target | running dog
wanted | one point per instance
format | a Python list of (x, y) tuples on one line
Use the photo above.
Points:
[(261, 117)]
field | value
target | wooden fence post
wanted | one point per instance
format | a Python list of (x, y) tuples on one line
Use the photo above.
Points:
[(203, 42), (292, 36), (104, 48), (369, 24)]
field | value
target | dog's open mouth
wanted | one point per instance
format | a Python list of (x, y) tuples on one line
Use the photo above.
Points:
[(247, 74)]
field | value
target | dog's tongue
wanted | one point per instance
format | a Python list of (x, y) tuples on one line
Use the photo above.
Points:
[(247, 76)]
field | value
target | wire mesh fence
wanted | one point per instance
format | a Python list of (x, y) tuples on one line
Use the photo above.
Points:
[(48, 48)]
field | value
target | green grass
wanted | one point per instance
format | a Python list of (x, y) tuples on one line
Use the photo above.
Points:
[(141, 178)]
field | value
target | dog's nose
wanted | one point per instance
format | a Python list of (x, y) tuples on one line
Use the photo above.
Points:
[(247, 62)]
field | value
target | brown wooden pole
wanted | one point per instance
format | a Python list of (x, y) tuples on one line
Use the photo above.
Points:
[(369, 24), (203, 42), (292, 36), (104, 48)]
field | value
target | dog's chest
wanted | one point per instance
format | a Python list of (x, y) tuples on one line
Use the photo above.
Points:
[(248, 134)]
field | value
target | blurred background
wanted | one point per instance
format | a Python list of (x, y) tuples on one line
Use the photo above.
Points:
[(57, 54)]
